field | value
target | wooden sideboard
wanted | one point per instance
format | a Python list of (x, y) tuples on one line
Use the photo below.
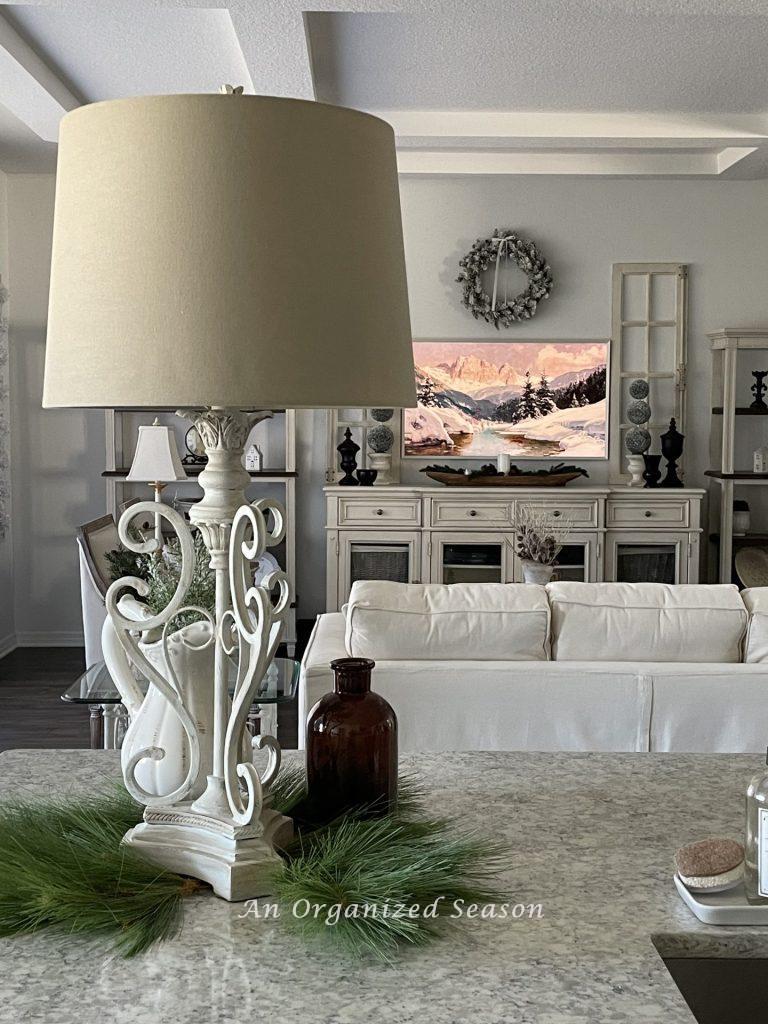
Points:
[(453, 535)]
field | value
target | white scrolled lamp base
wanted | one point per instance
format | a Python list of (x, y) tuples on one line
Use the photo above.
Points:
[(636, 465), (227, 835)]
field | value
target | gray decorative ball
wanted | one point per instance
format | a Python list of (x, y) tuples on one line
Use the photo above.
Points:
[(638, 412), (382, 415), (639, 389), (637, 440), (380, 439)]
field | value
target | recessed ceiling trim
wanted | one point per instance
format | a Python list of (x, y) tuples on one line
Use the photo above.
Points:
[(649, 126), (31, 91), (635, 163)]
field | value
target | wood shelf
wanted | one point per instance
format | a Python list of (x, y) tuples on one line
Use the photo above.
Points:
[(742, 539), (741, 410), (195, 471), (743, 475)]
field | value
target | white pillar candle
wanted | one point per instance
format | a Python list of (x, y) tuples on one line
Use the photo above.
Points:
[(502, 462)]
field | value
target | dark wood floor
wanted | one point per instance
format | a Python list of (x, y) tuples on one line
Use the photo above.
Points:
[(32, 713)]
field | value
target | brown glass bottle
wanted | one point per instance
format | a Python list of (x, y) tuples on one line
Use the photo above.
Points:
[(351, 747)]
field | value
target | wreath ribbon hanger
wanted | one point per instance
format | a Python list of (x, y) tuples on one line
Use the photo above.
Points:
[(503, 247)]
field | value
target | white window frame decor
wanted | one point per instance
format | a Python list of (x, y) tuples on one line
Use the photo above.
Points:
[(620, 368), (338, 423)]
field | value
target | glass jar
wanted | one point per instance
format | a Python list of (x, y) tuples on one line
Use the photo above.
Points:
[(756, 845), (351, 748)]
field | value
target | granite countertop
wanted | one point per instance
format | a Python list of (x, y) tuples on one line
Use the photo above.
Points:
[(591, 838)]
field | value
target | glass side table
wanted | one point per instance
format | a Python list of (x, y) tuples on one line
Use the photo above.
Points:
[(109, 718)]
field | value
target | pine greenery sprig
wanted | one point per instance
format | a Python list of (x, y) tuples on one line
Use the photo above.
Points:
[(391, 862), (163, 578), (62, 866)]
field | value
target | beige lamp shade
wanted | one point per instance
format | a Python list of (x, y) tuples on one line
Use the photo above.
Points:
[(241, 251), (157, 456)]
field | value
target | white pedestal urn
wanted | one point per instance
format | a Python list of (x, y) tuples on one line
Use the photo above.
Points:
[(636, 465), (382, 463), (216, 823)]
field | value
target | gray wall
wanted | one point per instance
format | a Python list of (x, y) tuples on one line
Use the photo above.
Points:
[(583, 225), (7, 627), (57, 455)]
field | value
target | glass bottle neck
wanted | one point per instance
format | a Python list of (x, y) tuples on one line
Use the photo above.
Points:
[(352, 675)]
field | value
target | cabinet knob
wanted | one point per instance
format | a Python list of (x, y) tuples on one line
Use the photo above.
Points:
[(647, 513), (473, 512), (557, 513), (379, 511)]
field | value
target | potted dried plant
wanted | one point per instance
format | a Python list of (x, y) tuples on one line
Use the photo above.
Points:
[(539, 541)]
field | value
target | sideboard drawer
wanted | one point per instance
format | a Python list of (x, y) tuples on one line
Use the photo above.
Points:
[(372, 512), (579, 513), (653, 512), (453, 512)]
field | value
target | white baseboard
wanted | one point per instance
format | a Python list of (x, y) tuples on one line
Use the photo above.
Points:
[(7, 644), (73, 638)]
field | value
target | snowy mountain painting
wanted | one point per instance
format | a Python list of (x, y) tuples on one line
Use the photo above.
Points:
[(533, 400)]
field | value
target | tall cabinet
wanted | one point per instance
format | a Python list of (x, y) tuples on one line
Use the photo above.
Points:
[(738, 428), (431, 535)]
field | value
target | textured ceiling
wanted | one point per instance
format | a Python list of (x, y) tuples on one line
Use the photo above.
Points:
[(543, 56), (111, 52), (617, 87)]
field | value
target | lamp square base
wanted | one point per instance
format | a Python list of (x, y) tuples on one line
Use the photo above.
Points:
[(236, 869)]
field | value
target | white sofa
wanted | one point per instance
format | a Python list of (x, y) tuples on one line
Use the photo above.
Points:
[(569, 666)]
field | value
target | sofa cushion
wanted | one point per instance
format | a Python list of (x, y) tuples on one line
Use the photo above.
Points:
[(464, 621), (756, 602), (646, 622)]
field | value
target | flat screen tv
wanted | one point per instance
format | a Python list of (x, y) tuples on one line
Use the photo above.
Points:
[(530, 399)]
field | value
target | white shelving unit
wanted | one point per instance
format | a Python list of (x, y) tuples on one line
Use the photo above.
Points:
[(120, 438), (731, 443)]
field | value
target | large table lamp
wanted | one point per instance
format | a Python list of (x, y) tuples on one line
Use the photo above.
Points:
[(221, 254)]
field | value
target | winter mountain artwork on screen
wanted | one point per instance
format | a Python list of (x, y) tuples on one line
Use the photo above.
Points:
[(532, 400)]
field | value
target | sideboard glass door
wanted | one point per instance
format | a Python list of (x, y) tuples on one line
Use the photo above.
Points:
[(397, 558), (644, 558), (462, 558), (577, 561)]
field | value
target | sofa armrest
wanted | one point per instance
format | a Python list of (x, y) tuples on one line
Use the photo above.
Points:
[(325, 644)]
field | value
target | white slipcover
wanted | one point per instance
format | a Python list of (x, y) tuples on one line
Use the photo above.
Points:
[(469, 621), (646, 622), (709, 708), (492, 705), (756, 602)]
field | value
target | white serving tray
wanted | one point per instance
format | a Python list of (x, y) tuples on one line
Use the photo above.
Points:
[(729, 907)]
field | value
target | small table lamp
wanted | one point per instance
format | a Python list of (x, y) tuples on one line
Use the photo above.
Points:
[(156, 462), (219, 254)]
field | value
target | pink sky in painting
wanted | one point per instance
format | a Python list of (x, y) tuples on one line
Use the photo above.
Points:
[(550, 357)]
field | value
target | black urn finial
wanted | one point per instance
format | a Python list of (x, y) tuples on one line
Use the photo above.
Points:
[(348, 451), (672, 449)]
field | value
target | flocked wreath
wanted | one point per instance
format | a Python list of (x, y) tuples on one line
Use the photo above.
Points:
[(491, 252)]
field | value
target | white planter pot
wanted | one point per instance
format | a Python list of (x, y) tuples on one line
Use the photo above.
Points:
[(154, 723), (535, 572)]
